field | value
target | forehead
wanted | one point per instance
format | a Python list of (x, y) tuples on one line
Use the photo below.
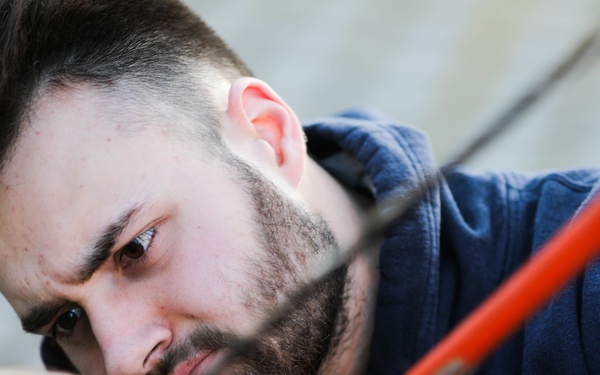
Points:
[(68, 147), (64, 129), (73, 169)]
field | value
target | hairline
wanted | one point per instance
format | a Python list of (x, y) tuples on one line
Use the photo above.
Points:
[(193, 114)]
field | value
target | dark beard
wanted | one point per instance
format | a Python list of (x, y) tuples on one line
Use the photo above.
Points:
[(297, 345), (300, 343)]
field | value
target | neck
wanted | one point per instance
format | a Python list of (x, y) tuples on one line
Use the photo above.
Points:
[(343, 210), (349, 352)]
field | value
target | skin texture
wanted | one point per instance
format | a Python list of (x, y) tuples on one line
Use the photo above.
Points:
[(229, 237)]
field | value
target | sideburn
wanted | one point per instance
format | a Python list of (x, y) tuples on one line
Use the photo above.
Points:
[(300, 342)]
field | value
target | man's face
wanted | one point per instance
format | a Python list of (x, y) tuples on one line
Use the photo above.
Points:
[(129, 245)]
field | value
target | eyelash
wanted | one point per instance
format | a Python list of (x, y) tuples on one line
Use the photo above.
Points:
[(65, 336), (145, 240)]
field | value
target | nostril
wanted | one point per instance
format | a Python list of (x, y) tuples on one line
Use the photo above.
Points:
[(151, 354)]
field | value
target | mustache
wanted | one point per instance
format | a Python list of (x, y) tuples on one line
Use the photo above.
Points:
[(203, 338)]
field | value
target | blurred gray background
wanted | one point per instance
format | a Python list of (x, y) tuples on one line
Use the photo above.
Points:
[(446, 67)]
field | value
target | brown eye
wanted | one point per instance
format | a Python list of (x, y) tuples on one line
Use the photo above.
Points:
[(138, 247), (133, 250), (66, 323)]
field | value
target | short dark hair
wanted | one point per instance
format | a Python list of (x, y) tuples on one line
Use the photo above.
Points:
[(137, 48)]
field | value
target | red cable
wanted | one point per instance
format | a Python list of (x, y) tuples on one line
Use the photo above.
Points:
[(557, 263)]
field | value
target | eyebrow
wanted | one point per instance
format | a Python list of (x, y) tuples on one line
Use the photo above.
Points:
[(41, 315), (103, 245)]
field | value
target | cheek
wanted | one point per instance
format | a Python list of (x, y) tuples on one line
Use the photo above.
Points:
[(208, 276), (214, 237)]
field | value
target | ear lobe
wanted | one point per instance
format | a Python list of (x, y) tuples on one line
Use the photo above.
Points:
[(257, 113)]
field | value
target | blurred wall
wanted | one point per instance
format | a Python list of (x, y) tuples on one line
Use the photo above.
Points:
[(446, 67)]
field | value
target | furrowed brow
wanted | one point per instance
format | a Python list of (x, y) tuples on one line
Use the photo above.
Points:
[(102, 247), (40, 316)]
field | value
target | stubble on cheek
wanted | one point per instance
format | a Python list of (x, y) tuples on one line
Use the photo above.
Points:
[(287, 238)]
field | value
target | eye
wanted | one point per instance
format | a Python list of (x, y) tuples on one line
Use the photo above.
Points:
[(67, 322), (138, 247)]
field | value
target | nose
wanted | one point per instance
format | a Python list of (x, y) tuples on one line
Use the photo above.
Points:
[(130, 333)]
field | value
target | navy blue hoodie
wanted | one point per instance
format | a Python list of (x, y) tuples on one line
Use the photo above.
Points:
[(448, 253)]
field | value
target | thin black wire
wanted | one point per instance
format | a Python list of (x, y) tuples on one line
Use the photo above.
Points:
[(383, 214)]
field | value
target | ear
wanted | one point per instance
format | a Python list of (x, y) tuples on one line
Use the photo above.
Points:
[(264, 128)]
